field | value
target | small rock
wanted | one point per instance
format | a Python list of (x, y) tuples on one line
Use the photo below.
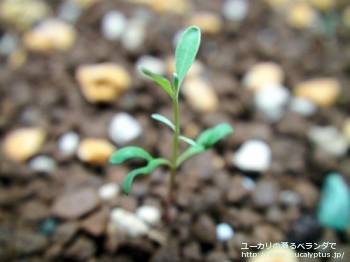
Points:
[(82, 249), (179, 7), (129, 222), (237, 191), (224, 232), (95, 151), (75, 204), (21, 144), (104, 82), (208, 22), (248, 183), (134, 35), (200, 94), (306, 229), (113, 25), (123, 128), (50, 35), (149, 214), (322, 91), (22, 14), (262, 74), (308, 193), (329, 139), (48, 226), (289, 255), (235, 10), (65, 232), (26, 243), (109, 191), (289, 197), (8, 44), (34, 211), (346, 129), (205, 230), (68, 143), (301, 16), (346, 17), (152, 64), (333, 210), (42, 164), (323, 5), (303, 106), (265, 194), (272, 100), (85, 4), (192, 252), (253, 155), (69, 11), (96, 223)]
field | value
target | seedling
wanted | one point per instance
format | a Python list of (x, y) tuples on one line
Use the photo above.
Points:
[(185, 54)]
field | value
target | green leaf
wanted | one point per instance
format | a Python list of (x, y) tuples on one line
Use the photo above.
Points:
[(152, 164), (206, 140), (186, 52), (164, 120), (188, 140), (210, 136), (160, 80), (128, 152)]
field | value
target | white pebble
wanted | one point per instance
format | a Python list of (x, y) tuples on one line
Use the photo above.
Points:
[(123, 128), (149, 214), (113, 25), (69, 11), (126, 220), (271, 100), (224, 232), (151, 63), (253, 155), (134, 36), (303, 106), (235, 10), (109, 191), (8, 44), (68, 143), (42, 164), (248, 183), (329, 139), (289, 197)]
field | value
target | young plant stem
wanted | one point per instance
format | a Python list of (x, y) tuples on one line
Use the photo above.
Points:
[(173, 168)]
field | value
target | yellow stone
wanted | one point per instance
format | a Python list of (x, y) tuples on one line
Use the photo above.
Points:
[(346, 129), (103, 83), (208, 22), (301, 16), (262, 74), (50, 35), (275, 255), (95, 151), (179, 7), (322, 91), (199, 94), (22, 14), (86, 3), (17, 58), (22, 144), (323, 5), (346, 16)]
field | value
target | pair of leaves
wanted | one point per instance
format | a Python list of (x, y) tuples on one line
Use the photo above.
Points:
[(129, 152), (185, 54), (206, 140)]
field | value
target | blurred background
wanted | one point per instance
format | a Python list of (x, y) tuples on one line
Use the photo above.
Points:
[(71, 94)]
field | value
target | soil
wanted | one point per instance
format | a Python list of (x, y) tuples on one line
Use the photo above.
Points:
[(44, 93)]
